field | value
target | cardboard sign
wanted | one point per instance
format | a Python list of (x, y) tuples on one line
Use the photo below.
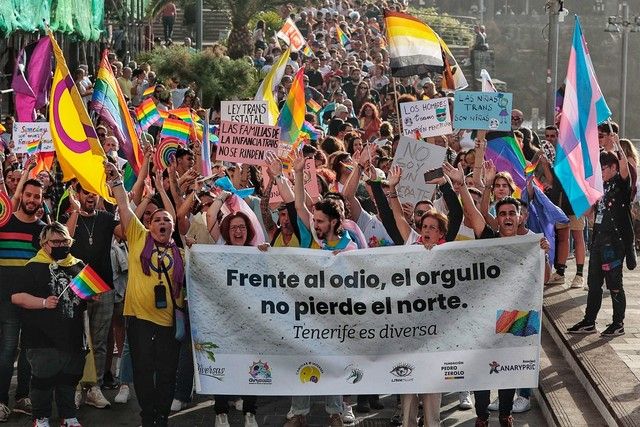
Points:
[(255, 112), (246, 143), (427, 118), (27, 137), (310, 183), (482, 110), (415, 157), (291, 35)]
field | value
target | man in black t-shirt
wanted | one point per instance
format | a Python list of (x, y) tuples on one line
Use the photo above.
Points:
[(508, 218), (92, 231), (52, 325), (611, 243)]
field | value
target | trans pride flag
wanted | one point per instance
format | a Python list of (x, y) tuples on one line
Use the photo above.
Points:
[(577, 163)]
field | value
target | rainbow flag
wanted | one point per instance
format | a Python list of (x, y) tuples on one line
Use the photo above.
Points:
[(128, 177), (176, 128), (164, 114), (342, 37), (507, 155), (577, 163), (32, 146), (109, 103), (293, 111), (414, 48), (310, 130), (44, 162), (183, 114), (87, 283), (78, 150), (147, 114), (530, 169), (149, 91), (307, 50), (313, 106)]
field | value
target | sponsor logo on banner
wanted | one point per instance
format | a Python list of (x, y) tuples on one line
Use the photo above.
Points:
[(353, 374), (402, 372), (526, 365), (211, 371), (452, 370), (260, 373), (309, 372)]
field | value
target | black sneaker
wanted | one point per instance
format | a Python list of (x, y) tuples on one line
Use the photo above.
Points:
[(613, 330), (582, 327)]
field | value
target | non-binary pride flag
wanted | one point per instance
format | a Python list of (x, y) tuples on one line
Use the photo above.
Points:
[(109, 103), (577, 163), (78, 150), (414, 48), (293, 110), (88, 284)]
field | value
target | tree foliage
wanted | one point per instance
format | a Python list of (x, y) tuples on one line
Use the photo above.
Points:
[(452, 30), (218, 77), (272, 20)]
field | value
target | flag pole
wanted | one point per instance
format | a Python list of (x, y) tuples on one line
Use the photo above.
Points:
[(64, 290), (395, 91)]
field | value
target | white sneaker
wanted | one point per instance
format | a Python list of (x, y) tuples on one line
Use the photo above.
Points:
[(555, 279), (41, 422), (5, 412), (250, 420), (577, 282), (465, 400), (238, 404), (222, 421), (96, 399), (70, 422), (177, 405), (521, 404), (347, 414), (78, 398), (495, 405), (123, 394)]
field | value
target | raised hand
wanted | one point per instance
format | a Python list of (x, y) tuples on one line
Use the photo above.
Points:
[(395, 174), (298, 161), (489, 172), (456, 175), (274, 165)]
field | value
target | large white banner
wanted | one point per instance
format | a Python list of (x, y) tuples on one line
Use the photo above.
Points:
[(462, 316)]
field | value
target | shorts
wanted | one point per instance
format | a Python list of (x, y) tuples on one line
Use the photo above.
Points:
[(575, 224)]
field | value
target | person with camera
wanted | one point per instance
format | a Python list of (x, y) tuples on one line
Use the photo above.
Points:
[(155, 292)]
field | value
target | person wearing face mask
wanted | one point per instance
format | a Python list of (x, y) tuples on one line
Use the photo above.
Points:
[(52, 325), (155, 291), (16, 249)]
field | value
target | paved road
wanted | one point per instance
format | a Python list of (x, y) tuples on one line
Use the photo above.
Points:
[(272, 412)]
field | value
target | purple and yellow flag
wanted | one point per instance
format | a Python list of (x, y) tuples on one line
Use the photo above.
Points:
[(77, 147)]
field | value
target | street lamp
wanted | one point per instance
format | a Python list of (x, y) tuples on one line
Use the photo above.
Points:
[(616, 24)]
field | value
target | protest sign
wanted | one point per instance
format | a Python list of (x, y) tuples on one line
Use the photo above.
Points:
[(482, 110), (415, 157), (310, 183), (291, 35), (245, 112), (31, 137), (462, 316), (428, 118), (246, 143)]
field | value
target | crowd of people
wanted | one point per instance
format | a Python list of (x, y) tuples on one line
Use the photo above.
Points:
[(137, 245)]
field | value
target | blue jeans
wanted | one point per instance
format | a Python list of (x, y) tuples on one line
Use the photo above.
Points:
[(524, 392), (301, 405), (126, 368), (9, 339)]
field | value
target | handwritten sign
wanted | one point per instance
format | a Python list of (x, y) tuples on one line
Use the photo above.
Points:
[(255, 112), (415, 157), (426, 118), (482, 110), (29, 134), (310, 183), (246, 143)]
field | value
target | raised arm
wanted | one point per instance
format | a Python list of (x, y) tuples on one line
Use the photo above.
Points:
[(138, 186), (114, 181), (489, 175), (403, 226), (470, 211), (298, 189), (212, 214)]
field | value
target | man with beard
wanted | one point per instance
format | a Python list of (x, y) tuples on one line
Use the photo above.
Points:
[(17, 239), (508, 218), (92, 231)]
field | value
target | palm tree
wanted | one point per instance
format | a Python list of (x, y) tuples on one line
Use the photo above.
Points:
[(240, 41)]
